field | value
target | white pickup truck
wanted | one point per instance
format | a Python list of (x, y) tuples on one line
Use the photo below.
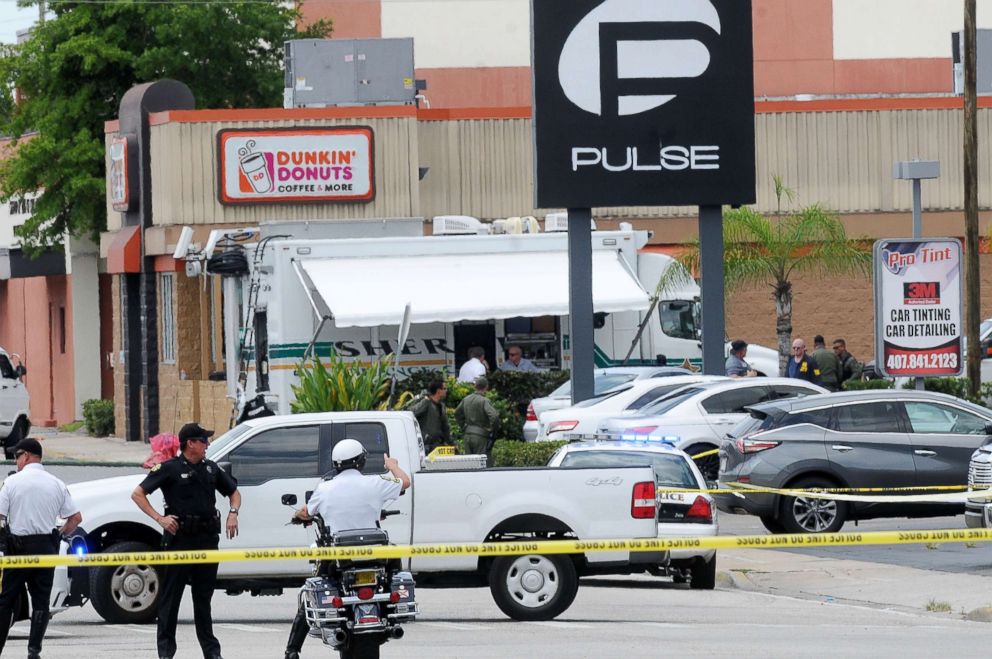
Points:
[(282, 458), (14, 403)]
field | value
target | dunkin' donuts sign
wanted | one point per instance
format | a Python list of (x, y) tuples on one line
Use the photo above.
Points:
[(295, 165)]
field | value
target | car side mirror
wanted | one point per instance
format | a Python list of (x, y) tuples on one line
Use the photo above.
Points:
[(712, 485), (988, 429), (21, 371)]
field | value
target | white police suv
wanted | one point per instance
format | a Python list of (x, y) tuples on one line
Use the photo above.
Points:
[(682, 512)]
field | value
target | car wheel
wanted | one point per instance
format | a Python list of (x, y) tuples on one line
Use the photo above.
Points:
[(17, 433), (772, 524), (126, 594), (703, 574), (533, 587), (708, 465), (812, 515)]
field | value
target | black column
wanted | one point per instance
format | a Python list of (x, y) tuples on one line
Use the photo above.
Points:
[(142, 345)]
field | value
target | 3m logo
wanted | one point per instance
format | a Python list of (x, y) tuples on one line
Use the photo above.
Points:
[(921, 292), (630, 56)]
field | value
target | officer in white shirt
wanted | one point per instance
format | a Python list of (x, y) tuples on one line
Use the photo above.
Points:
[(31, 502), (475, 367), (350, 500)]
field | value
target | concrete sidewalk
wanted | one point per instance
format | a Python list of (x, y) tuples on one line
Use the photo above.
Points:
[(82, 449), (852, 582)]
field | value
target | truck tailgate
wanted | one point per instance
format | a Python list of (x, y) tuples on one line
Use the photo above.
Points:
[(466, 506)]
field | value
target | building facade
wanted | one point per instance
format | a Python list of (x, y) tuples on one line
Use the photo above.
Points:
[(838, 153), (477, 54)]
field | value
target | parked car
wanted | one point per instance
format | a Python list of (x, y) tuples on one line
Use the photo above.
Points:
[(697, 417), (978, 512), (14, 403), (680, 514), (604, 379), (857, 439), (626, 399)]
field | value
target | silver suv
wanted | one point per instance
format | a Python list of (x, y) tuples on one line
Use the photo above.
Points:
[(858, 439)]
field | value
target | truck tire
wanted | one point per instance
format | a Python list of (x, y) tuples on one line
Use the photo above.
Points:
[(703, 574), (533, 587), (17, 433), (126, 594), (708, 465)]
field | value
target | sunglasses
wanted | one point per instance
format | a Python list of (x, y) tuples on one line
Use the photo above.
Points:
[(18, 454), (198, 439)]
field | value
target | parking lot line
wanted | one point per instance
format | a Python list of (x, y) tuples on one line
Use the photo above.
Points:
[(452, 625), (245, 628), (558, 624)]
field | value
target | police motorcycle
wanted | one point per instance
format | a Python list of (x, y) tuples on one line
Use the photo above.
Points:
[(354, 606)]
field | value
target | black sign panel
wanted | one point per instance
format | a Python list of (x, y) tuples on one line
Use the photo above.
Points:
[(643, 102)]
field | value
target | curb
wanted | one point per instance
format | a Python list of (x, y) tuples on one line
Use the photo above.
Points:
[(69, 462)]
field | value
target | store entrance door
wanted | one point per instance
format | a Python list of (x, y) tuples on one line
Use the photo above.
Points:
[(468, 334)]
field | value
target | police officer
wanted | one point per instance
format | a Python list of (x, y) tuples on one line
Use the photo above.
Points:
[(348, 501), (188, 483), (31, 501), (477, 417)]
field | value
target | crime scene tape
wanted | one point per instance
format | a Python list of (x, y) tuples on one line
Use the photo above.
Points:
[(705, 454), (502, 548), (739, 490)]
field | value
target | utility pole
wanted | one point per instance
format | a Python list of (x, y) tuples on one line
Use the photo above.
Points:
[(972, 280), (41, 12)]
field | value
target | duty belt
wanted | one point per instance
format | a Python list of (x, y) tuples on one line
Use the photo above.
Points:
[(195, 524)]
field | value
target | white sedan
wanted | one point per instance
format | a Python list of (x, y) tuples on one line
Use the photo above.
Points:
[(681, 511), (696, 417), (627, 399)]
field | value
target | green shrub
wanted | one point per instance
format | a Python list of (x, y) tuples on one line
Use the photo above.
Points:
[(98, 416), (509, 453), (954, 387), (521, 388), (342, 386), (858, 385)]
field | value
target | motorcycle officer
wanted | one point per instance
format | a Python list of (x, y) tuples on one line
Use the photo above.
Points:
[(351, 500)]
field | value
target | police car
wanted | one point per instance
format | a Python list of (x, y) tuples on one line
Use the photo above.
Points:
[(682, 512)]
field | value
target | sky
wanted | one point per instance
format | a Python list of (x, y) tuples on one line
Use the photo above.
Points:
[(14, 18)]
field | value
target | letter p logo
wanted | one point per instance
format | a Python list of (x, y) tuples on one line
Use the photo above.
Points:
[(630, 56)]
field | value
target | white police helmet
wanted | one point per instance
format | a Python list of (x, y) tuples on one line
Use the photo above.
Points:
[(349, 454)]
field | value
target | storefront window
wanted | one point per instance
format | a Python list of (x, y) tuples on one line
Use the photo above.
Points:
[(679, 318)]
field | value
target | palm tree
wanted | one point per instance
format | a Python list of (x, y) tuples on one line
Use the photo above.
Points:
[(759, 250)]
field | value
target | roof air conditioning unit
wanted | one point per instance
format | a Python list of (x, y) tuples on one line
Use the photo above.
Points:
[(556, 222), (458, 225), (516, 225)]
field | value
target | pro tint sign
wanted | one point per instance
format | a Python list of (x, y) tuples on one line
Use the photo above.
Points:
[(294, 165), (918, 328), (643, 102)]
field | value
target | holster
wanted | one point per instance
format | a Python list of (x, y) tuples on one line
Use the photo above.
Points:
[(5, 545)]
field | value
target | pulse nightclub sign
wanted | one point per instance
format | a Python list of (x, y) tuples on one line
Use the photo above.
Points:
[(643, 102), (918, 307)]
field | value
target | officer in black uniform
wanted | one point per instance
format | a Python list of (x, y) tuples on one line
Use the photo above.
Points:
[(191, 521)]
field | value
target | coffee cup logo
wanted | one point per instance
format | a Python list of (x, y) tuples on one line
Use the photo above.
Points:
[(255, 168)]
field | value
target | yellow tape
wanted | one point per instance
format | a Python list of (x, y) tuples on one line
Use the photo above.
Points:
[(503, 548), (705, 454)]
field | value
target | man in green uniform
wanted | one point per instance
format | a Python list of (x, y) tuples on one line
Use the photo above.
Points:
[(432, 415), (828, 363), (477, 417)]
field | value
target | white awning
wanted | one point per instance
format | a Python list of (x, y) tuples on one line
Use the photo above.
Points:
[(366, 292)]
